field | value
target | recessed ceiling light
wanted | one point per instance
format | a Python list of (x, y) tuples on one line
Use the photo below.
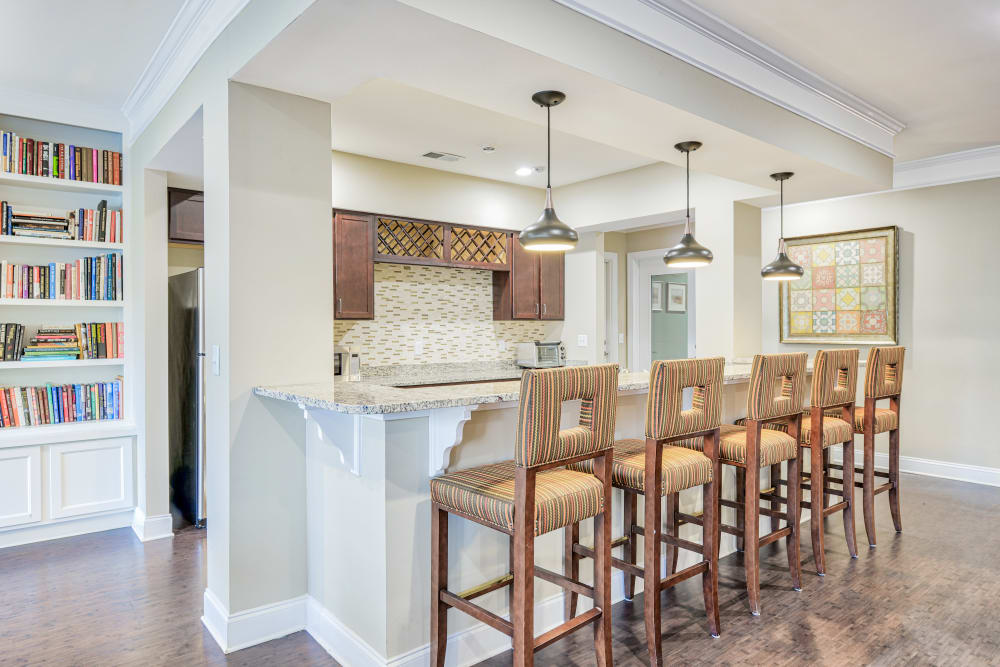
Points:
[(525, 171)]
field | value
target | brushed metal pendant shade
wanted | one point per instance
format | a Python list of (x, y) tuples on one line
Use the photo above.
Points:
[(782, 267), (688, 253), (548, 233)]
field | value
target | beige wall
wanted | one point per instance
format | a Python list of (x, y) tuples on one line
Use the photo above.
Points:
[(949, 310), (379, 186)]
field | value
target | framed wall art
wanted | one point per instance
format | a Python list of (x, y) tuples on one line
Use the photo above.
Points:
[(677, 298), (656, 296), (848, 293)]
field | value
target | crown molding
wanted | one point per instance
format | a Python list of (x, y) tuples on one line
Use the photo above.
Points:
[(197, 24), (970, 165), (703, 40)]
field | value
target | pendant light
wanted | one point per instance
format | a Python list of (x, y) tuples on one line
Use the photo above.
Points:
[(688, 253), (548, 233), (782, 268)]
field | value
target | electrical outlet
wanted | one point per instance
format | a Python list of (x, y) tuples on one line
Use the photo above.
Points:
[(581, 340), (502, 346), (418, 347), (621, 339)]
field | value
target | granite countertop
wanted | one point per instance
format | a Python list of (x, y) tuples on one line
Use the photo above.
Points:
[(394, 391)]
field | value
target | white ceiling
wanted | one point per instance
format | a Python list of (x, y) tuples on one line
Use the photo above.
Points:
[(931, 64), (388, 120), (338, 50), (183, 157), (91, 52)]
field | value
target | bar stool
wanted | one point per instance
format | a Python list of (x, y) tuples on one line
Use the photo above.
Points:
[(535, 494), (883, 380), (834, 385), (776, 393), (656, 463)]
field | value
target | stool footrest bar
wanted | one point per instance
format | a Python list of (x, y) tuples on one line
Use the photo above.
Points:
[(686, 573), (564, 582), (560, 631), (487, 587), (774, 536), (478, 613)]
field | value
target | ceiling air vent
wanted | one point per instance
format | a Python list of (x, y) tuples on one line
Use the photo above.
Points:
[(446, 157)]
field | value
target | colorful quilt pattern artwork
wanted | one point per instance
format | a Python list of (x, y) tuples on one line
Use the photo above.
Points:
[(848, 291)]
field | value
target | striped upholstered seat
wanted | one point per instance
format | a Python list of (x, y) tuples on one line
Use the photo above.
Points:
[(885, 419), (683, 467), (775, 446), (562, 497), (835, 430)]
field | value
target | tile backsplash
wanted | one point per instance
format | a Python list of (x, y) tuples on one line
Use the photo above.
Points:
[(433, 314)]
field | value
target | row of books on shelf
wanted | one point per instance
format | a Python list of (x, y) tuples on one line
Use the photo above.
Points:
[(83, 224), (87, 340), (34, 157), (60, 404), (98, 278), (11, 337)]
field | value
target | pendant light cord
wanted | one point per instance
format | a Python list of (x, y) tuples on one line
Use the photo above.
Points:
[(781, 215), (687, 170), (548, 147)]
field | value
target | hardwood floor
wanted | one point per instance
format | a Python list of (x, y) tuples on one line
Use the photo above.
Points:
[(108, 599), (927, 596)]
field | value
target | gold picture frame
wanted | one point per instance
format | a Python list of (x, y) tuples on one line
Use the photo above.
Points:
[(848, 294)]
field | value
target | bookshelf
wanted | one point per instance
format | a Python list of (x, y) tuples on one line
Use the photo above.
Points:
[(54, 459)]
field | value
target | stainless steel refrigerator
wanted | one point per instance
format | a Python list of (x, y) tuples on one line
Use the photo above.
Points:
[(186, 349)]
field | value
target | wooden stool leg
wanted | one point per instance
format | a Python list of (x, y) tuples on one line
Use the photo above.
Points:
[(629, 508), (741, 483), (439, 582), (817, 480), (653, 483), (670, 513), (868, 485), (751, 533), (894, 479), (775, 475), (602, 566), (709, 533), (523, 614), (826, 474), (794, 497), (571, 567), (849, 530)]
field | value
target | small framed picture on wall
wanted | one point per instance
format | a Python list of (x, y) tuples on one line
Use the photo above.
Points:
[(656, 296), (677, 298)]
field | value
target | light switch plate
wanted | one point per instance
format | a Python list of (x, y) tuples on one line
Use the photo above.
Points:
[(502, 346), (621, 339), (418, 347), (581, 340), (216, 364)]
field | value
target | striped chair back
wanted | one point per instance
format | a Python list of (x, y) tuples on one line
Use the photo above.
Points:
[(884, 374), (539, 439), (835, 377), (667, 382), (777, 386)]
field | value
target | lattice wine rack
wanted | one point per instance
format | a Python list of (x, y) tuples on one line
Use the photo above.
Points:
[(478, 246), (408, 238)]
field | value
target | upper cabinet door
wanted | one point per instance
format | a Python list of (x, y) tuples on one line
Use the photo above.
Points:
[(524, 283), (551, 283), (185, 215), (353, 267)]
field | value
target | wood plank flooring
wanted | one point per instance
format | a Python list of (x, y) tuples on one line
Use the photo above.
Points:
[(926, 597)]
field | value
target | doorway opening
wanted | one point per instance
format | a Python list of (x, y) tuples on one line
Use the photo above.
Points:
[(661, 310)]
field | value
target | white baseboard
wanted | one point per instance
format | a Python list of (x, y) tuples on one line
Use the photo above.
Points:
[(337, 639), (252, 626), (59, 528), (962, 472), (148, 528)]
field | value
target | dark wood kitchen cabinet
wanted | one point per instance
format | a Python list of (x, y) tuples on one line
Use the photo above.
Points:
[(353, 266), (534, 289), (185, 216)]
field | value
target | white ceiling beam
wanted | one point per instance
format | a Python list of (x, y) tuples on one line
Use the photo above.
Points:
[(688, 33), (970, 165)]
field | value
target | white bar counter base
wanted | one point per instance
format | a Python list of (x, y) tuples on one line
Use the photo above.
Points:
[(371, 450)]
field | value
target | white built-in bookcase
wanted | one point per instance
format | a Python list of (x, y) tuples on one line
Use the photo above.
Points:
[(76, 477)]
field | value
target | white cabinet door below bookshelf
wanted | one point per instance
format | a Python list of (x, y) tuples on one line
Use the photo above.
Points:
[(91, 476), (20, 486)]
